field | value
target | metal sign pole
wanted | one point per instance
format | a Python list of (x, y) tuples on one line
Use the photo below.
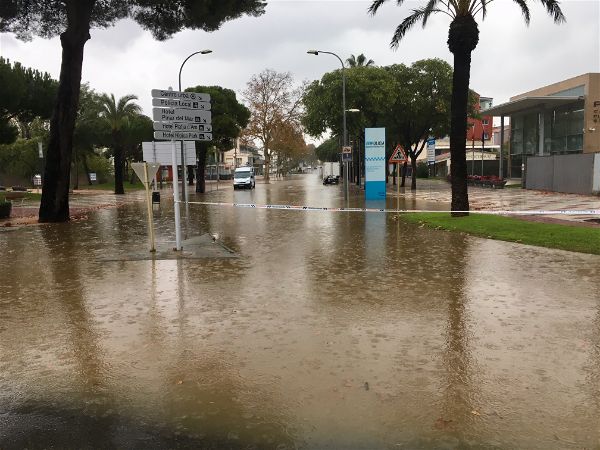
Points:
[(154, 160), (149, 204), (176, 198)]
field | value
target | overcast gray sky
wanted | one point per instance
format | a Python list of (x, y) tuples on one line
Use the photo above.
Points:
[(511, 58)]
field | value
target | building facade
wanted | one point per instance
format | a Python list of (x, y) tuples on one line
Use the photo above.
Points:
[(481, 129), (560, 121)]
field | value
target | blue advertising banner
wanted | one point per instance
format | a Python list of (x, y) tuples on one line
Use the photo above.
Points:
[(375, 163)]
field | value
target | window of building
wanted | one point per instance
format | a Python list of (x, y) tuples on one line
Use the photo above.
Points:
[(486, 137), (485, 122), (516, 135), (566, 130)]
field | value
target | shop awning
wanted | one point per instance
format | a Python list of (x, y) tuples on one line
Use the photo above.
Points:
[(529, 103)]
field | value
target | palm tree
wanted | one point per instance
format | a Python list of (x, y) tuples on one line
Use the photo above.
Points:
[(117, 115), (462, 40), (360, 61)]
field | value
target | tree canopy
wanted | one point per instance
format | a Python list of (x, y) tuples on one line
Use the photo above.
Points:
[(24, 95), (229, 118), (367, 89), (48, 18), (274, 102), (359, 61)]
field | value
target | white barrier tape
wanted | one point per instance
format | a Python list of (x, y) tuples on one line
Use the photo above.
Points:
[(559, 212)]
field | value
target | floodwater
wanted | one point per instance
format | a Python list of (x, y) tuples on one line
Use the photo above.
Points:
[(330, 330)]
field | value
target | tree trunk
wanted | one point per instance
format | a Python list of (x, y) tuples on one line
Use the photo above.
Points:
[(55, 190), (403, 174), (462, 40), (76, 164), (190, 174), (413, 164), (267, 165), (119, 169), (201, 168)]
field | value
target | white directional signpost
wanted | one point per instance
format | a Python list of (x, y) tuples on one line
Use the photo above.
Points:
[(146, 173), (184, 116)]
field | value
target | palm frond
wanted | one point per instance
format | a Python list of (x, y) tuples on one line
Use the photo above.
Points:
[(377, 3), (406, 25), (524, 10), (375, 6), (429, 9), (417, 14), (553, 8), (124, 101), (481, 5)]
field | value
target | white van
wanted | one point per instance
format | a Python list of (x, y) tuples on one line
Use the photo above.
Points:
[(243, 177)]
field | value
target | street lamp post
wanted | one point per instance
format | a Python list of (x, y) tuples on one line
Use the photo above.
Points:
[(345, 137), (183, 162)]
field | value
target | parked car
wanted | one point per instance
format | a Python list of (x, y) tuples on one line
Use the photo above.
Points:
[(330, 179), (243, 177)]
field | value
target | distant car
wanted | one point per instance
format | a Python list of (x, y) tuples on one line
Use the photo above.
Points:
[(330, 179), (243, 177)]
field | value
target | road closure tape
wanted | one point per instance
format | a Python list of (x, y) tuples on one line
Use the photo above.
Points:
[(541, 212)]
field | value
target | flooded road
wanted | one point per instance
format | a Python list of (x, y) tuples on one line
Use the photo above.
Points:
[(330, 330)]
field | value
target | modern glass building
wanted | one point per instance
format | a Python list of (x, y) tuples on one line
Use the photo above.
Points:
[(560, 119)]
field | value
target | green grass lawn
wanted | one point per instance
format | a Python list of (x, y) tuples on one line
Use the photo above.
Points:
[(33, 196), (564, 237), (111, 186)]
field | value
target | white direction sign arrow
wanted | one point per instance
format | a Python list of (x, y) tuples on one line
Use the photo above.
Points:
[(185, 104), (138, 168), (181, 115), (182, 126), (183, 135), (160, 93)]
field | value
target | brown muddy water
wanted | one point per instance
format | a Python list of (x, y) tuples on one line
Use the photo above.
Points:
[(330, 330)]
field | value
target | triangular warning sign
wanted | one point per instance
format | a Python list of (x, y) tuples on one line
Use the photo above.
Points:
[(140, 171), (399, 155)]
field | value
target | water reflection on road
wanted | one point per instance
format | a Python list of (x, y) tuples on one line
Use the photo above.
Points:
[(332, 330)]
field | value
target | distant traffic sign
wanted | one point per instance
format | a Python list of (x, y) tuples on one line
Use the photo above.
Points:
[(399, 155), (181, 115), (347, 149), (183, 135), (182, 126), (161, 93), (177, 103)]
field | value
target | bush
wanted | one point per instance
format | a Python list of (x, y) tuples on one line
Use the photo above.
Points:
[(101, 166), (422, 170)]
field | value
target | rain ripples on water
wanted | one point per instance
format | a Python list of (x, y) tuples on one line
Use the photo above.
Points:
[(329, 330)]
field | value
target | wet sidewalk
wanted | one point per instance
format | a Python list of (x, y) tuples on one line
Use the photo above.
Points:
[(507, 199)]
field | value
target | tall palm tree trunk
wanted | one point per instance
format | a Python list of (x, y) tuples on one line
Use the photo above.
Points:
[(54, 206), (462, 40), (119, 189)]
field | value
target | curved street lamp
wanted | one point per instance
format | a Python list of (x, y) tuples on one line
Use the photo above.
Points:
[(345, 137), (183, 162)]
